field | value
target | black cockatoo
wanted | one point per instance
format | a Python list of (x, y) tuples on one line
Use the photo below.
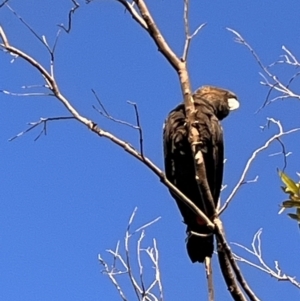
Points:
[(212, 105)]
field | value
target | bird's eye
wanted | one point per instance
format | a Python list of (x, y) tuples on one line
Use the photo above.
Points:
[(233, 103)]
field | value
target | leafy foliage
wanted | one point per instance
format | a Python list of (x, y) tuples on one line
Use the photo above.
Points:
[(293, 190)]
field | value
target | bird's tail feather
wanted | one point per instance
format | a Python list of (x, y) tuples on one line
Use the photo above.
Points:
[(199, 247)]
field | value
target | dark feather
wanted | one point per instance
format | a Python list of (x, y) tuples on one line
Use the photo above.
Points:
[(211, 105)]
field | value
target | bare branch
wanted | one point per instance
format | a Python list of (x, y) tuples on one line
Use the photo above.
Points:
[(251, 181), (41, 39), (241, 181), (209, 278), (71, 13), (3, 3), (147, 225), (138, 290), (186, 17), (140, 262), (256, 251), (188, 37), (290, 58), (238, 274), (181, 69), (176, 63), (37, 123), (135, 15), (143, 292), (4, 38), (228, 274), (50, 80), (108, 116), (138, 127), (154, 258), (270, 80), (25, 94), (184, 79), (284, 153), (156, 35)]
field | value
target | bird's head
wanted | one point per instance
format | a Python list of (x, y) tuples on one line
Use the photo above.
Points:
[(221, 100)]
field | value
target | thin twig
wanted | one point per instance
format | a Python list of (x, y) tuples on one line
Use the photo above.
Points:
[(110, 117), (37, 123), (209, 278), (71, 13), (188, 36), (134, 284), (147, 225), (112, 278), (4, 38), (285, 154), (155, 33), (241, 181), (275, 83), (135, 15), (138, 127), (256, 251), (140, 262), (186, 29), (41, 39), (3, 3), (228, 275), (238, 274), (143, 292), (180, 68), (25, 94)]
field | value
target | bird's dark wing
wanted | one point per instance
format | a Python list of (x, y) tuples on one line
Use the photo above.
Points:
[(211, 137), (212, 104), (179, 165)]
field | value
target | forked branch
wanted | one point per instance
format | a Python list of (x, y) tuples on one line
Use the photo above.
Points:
[(270, 79), (242, 179), (53, 87), (140, 13), (70, 15), (228, 263), (256, 252), (122, 265)]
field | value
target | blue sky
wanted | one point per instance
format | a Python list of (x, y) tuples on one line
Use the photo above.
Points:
[(68, 196)]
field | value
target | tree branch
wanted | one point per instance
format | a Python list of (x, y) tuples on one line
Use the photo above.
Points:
[(71, 13), (238, 274), (271, 80), (143, 291), (228, 275), (188, 36), (37, 123), (51, 82), (257, 252), (3, 3), (241, 181), (194, 136)]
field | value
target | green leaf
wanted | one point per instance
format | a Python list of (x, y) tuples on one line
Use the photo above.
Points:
[(295, 198), (291, 186)]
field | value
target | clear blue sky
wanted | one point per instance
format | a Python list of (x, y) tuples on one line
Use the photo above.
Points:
[(68, 196)]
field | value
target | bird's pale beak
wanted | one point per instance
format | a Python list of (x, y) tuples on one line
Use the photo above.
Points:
[(233, 103)]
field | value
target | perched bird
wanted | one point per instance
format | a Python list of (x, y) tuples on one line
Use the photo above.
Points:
[(212, 104)]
